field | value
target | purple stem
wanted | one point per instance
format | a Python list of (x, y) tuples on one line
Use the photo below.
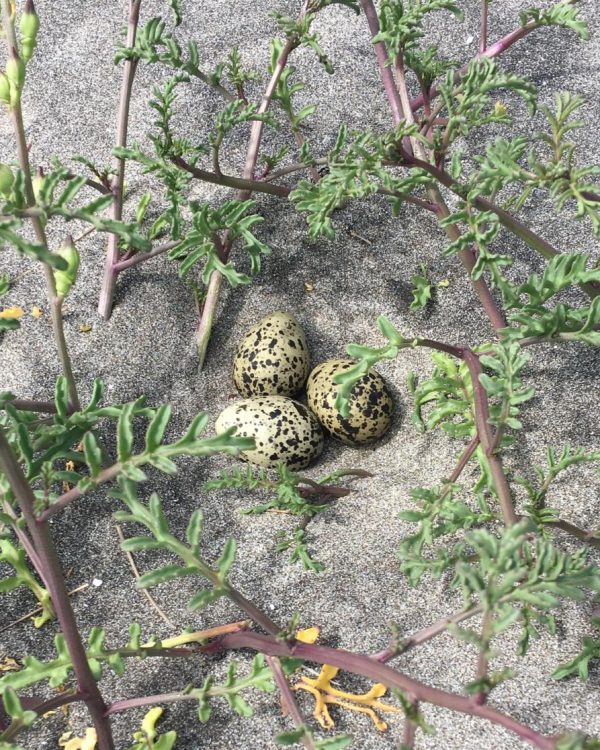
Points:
[(492, 51), (214, 283), (484, 432), (46, 407), (245, 184), (484, 27), (544, 248), (288, 700), (107, 475), (385, 70), (367, 667), (55, 582), (138, 258), (118, 182)]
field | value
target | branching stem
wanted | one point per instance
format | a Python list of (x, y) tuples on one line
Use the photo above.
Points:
[(214, 284), (117, 186), (377, 672), (40, 233), (55, 582), (288, 699)]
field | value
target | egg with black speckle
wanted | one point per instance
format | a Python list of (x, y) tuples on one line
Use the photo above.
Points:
[(282, 429), (272, 359), (371, 406)]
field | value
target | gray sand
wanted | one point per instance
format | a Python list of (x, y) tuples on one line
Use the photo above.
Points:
[(146, 348)]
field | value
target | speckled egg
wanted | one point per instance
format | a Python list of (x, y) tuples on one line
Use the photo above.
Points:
[(370, 405), (283, 430), (272, 358)]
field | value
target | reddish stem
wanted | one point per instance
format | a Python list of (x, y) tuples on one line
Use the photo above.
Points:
[(118, 182), (367, 667)]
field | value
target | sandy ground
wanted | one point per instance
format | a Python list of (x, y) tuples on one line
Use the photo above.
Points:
[(146, 348)]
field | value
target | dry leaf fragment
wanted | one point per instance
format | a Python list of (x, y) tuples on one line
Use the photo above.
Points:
[(79, 743), (12, 312), (85, 328), (8, 664), (308, 635), (309, 286), (36, 312)]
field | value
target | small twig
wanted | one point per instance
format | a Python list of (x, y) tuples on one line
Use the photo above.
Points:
[(494, 50), (136, 574), (241, 183), (117, 186), (138, 258), (409, 733), (484, 27), (39, 609), (288, 700), (483, 658)]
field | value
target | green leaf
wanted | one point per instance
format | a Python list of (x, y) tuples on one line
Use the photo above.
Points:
[(61, 397), (204, 598), (156, 428), (194, 530), (125, 432), (292, 737), (4, 284), (140, 543), (226, 559), (93, 454), (161, 575)]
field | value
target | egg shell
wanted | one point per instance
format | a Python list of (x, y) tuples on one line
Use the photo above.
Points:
[(272, 358), (283, 430), (371, 405)]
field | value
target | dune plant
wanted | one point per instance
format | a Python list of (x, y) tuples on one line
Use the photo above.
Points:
[(503, 554)]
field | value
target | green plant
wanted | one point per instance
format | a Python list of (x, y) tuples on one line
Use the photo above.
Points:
[(503, 553)]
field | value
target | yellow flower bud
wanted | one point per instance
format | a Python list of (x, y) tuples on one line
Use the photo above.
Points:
[(65, 279), (7, 179)]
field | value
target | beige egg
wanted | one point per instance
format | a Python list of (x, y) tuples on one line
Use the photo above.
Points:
[(272, 358), (282, 429), (371, 406)]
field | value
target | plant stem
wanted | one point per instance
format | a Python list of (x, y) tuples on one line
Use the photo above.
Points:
[(385, 71), (138, 258), (510, 222), (207, 315), (367, 667), (106, 475), (23, 157), (55, 582), (45, 407), (484, 27), (249, 184), (214, 283), (40, 707), (112, 252), (483, 658), (494, 50), (288, 700), (298, 166), (589, 537), (467, 255), (484, 433), (25, 541), (409, 733)]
